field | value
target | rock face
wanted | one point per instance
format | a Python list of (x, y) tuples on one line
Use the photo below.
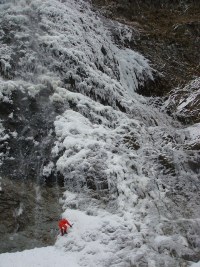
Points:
[(167, 32), (28, 214), (184, 103), (28, 123)]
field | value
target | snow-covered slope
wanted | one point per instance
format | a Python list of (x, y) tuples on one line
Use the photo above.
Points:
[(132, 183)]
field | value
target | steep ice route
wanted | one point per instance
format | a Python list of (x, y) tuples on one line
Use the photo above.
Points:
[(121, 159)]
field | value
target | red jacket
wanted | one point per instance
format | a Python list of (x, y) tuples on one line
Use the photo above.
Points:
[(63, 223)]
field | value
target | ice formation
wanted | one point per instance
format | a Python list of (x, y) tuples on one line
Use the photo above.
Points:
[(130, 189)]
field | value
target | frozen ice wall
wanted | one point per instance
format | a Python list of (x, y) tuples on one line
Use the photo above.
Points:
[(126, 165)]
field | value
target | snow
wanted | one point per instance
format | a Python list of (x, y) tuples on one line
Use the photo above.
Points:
[(196, 264), (48, 169), (184, 102), (38, 257), (194, 132), (87, 244), (122, 161), (73, 44), (3, 136)]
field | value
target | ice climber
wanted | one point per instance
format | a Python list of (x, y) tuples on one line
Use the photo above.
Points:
[(63, 226)]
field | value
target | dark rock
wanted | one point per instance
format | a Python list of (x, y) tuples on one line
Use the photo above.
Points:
[(184, 103), (103, 50), (166, 32), (169, 167), (27, 220)]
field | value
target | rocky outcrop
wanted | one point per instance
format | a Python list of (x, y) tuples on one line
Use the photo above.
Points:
[(166, 32), (184, 103)]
